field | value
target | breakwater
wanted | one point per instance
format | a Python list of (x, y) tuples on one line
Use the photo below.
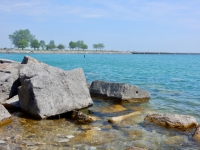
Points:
[(165, 53)]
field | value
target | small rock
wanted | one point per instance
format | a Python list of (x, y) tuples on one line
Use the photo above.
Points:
[(81, 117), (2, 142), (197, 134), (135, 148), (70, 136), (92, 148), (96, 128), (63, 140), (181, 122)]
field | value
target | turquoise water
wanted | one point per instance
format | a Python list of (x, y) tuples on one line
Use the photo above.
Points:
[(172, 80)]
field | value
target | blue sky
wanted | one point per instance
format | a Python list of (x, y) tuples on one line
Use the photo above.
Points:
[(126, 25)]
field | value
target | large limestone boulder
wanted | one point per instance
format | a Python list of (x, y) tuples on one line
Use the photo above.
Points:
[(28, 59), (118, 91), (5, 116), (48, 91), (181, 122), (9, 80)]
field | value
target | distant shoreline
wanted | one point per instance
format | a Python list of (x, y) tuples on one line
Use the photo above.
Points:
[(13, 51), (18, 51)]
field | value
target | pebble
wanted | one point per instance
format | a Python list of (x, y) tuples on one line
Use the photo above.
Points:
[(96, 128), (70, 136), (92, 148), (63, 140), (2, 142)]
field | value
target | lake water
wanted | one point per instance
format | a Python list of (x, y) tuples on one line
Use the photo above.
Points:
[(172, 80)]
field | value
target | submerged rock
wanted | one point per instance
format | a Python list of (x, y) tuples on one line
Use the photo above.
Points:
[(120, 118), (181, 122), (12, 103), (118, 91), (47, 91), (197, 134), (9, 80), (5, 116), (81, 117), (135, 148)]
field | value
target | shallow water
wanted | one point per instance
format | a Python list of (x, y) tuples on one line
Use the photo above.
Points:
[(172, 80)]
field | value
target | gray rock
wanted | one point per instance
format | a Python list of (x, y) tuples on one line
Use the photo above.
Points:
[(5, 116), (48, 91), (118, 91), (9, 80), (6, 61), (181, 122), (12, 103), (28, 59)]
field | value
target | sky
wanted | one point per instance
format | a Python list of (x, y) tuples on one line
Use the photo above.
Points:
[(124, 25)]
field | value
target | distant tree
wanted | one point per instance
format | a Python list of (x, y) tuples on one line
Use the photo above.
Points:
[(79, 44), (35, 44), (19, 35), (101, 46), (98, 46), (60, 46), (22, 43), (84, 46), (51, 45), (42, 44), (95, 46), (72, 45)]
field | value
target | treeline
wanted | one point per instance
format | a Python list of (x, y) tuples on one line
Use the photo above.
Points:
[(23, 38)]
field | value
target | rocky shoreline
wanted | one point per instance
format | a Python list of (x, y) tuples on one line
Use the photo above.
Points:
[(41, 91)]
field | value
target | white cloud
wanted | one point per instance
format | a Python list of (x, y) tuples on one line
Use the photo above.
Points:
[(137, 10)]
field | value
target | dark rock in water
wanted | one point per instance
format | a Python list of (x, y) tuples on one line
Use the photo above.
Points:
[(28, 59), (81, 117), (9, 80), (181, 122), (47, 91), (12, 103), (2, 61), (118, 91), (5, 116)]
